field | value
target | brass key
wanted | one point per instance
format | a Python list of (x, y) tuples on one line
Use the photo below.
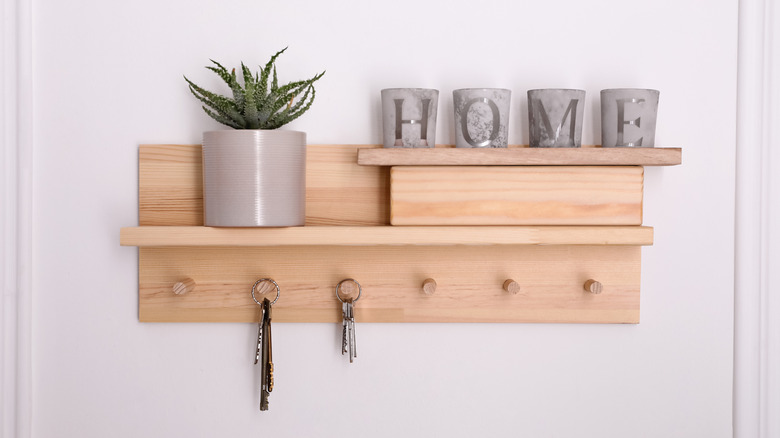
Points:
[(267, 370), (259, 336)]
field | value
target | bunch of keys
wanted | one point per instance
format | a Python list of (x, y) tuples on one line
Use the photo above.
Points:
[(263, 353), (348, 321)]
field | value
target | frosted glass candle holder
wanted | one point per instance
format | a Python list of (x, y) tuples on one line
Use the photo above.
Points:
[(555, 118), (409, 117), (628, 117), (481, 117)]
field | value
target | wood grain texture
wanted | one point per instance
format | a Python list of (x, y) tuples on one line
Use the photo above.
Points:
[(385, 236), (469, 285), (170, 185), (516, 195), (590, 156), (338, 191)]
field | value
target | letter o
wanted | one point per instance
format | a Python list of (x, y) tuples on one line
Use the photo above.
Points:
[(465, 127)]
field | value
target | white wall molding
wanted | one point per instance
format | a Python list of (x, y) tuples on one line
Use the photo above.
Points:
[(16, 220), (771, 226), (756, 311)]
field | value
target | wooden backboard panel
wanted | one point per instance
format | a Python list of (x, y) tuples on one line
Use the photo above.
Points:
[(469, 279), (338, 191)]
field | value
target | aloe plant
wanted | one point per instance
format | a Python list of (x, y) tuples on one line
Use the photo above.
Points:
[(257, 104)]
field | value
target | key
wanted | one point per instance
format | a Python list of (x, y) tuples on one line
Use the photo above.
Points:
[(352, 346), (348, 336), (348, 316), (263, 352), (266, 360), (344, 336), (267, 330), (259, 335)]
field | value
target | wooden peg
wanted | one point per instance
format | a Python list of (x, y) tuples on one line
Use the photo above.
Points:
[(184, 286), (429, 286), (348, 289), (593, 286), (511, 286), (265, 287)]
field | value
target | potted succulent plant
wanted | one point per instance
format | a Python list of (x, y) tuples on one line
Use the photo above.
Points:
[(255, 175)]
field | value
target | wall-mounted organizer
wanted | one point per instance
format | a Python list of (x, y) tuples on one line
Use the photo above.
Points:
[(500, 235)]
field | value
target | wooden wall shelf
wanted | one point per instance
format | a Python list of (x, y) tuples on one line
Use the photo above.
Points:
[(188, 272), (520, 156)]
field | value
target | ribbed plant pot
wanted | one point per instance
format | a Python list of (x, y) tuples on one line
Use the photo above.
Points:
[(254, 178)]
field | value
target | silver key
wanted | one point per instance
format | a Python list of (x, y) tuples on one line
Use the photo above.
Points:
[(344, 336), (348, 344), (352, 345)]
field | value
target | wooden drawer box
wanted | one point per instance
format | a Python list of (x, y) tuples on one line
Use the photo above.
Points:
[(516, 195)]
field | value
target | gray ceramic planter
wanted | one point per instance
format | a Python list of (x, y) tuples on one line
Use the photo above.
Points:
[(409, 117), (254, 178), (628, 117), (481, 117), (555, 118)]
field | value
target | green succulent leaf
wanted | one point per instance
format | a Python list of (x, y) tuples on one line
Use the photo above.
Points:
[(250, 107), (223, 105), (264, 72), (222, 119), (230, 79), (221, 71), (294, 115), (249, 79), (302, 100)]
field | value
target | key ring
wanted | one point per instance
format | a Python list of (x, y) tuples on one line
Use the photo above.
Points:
[(260, 281), (360, 289)]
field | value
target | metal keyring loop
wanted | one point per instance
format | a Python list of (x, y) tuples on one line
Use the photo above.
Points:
[(360, 289), (260, 281)]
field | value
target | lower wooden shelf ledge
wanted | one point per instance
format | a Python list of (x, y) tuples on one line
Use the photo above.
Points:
[(162, 236)]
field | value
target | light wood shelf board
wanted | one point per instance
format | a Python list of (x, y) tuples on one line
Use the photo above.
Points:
[(519, 156), (386, 236)]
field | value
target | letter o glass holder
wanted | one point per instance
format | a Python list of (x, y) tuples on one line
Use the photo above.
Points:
[(481, 117)]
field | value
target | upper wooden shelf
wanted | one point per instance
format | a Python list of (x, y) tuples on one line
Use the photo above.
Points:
[(521, 156), (383, 235)]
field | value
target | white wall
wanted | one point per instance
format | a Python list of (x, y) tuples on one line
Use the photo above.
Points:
[(108, 76)]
